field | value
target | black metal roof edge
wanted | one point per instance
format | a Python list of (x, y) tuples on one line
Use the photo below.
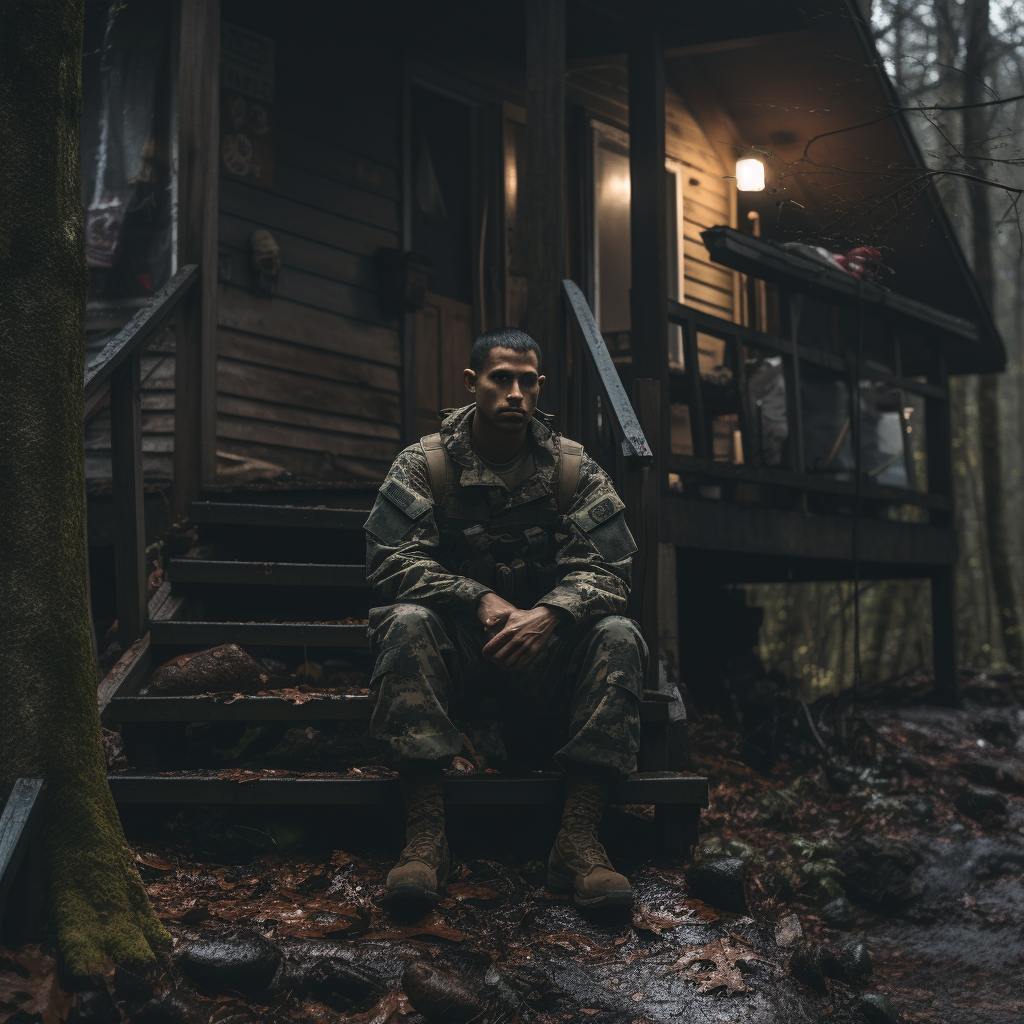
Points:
[(989, 335)]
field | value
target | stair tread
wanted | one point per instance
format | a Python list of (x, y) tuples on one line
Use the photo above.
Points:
[(268, 634), (271, 785), (211, 570), (240, 514), (281, 706)]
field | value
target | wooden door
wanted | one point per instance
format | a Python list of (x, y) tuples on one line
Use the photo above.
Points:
[(444, 338)]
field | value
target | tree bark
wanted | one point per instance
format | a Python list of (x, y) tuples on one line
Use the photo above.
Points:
[(977, 57), (95, 903)]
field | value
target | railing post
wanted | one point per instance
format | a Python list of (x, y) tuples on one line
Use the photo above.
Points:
[(643, 512), (195, 388), (128, 500)]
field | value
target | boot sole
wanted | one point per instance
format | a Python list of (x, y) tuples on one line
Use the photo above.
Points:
[(409, 895), (617, 899)]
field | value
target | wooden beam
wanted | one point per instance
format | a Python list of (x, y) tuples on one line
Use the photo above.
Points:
[(544, 233), (198, 147), (648, 219)]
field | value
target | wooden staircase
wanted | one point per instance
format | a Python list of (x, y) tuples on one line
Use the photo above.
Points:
[(257, 577)]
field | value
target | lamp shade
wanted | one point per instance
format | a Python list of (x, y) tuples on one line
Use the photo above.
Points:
[(750, 174)]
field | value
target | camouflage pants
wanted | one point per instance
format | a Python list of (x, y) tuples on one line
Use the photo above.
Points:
[(427, 663)]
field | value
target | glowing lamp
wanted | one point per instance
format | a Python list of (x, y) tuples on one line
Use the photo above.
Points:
[(750, 175)]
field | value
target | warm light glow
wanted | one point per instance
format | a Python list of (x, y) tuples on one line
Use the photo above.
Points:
[(750, 175)]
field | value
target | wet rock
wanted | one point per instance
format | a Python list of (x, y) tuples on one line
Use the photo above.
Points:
[(94, 1007), (813, 963), (854, 956), (1004, 775), (503, 999), (441, 997), (170, 1008), (922, 810), (720, 882), (979, 803), (788, 932), (987, 858), (226, 667), (881, 873), (878, 1009), (246, 963), (326, 979), (838, 913)]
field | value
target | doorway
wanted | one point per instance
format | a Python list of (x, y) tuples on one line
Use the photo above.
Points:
[(442, 209)]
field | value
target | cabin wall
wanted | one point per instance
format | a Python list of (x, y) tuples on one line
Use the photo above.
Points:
[(708, 197), (308, 379)]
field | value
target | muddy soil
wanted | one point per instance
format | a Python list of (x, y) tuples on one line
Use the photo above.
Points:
[(872, 872)]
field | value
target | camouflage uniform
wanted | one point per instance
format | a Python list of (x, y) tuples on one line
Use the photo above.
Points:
[(434, 564)]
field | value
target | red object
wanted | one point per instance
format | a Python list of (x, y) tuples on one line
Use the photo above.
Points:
[(146, 280), (861, 262)]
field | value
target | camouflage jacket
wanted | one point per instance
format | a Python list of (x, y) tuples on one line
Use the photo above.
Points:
[(485, 538)]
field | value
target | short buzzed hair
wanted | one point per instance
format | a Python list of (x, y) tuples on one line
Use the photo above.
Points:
[(502, 337)]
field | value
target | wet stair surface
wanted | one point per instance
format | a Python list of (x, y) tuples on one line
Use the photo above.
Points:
[(287, 584)]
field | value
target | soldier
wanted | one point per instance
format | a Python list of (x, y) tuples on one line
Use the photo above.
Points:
[(504, 557)]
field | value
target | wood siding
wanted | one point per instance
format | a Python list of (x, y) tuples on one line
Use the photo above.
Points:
[(707, 195), (309, 379)]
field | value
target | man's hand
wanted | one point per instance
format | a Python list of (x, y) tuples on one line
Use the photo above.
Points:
[(493, 613), (522, 636)]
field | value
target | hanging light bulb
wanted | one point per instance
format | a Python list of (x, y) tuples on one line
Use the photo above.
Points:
[(750, 174)]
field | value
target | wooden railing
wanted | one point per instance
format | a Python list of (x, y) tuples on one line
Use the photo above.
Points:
[(115, 371), (19, 845), (636, 473)]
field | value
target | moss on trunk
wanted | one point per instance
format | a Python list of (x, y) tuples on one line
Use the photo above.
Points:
[(49, 724)]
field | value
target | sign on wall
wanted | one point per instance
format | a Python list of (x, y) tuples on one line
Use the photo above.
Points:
[(247, 106)]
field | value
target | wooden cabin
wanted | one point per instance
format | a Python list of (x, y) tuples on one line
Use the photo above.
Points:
[(365, 188)]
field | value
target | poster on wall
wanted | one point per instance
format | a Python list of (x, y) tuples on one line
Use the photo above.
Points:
[(247, 106)]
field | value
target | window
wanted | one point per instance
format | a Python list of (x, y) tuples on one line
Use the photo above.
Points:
[(611, 234)]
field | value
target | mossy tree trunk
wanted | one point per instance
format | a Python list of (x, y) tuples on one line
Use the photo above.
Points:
[(49, 724)]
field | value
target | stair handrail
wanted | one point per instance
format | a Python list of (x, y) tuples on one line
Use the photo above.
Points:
[(117, 368), (638, 477), (625, 424), (141, 329)]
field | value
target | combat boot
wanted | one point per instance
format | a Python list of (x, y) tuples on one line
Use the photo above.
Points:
[(421, 872), (578, 862)]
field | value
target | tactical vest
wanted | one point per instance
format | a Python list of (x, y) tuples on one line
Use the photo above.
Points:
[(527, 572)]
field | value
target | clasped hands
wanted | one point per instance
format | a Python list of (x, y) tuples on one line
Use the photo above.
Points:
[(515, 635)]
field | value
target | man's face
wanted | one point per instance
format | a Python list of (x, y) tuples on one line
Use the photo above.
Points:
[(506, 388)]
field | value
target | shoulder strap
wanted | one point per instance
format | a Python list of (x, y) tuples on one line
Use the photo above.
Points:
[(437, 465), (568, 473)]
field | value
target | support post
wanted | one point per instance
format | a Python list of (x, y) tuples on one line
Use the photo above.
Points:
[(648, 217), (128, 511), (544, 233), (195, 385), (643, 512)]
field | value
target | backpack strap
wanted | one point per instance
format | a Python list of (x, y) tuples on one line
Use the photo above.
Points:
[(437, 466), (568, 472)]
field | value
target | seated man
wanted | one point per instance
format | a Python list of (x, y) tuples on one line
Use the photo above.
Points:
[(504, 556)]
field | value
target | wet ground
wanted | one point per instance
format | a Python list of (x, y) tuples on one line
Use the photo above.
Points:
[(876, 853)]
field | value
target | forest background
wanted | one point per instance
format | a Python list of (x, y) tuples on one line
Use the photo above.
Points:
[(967, 55)]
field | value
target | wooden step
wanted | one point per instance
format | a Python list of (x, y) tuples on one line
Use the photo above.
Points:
[(290, 574), (228, 707), (265, 634), (237, 514), (276, 787)]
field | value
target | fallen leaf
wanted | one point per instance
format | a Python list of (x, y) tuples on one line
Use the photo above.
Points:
[(715, 966), (432, 924), (28, 981)]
